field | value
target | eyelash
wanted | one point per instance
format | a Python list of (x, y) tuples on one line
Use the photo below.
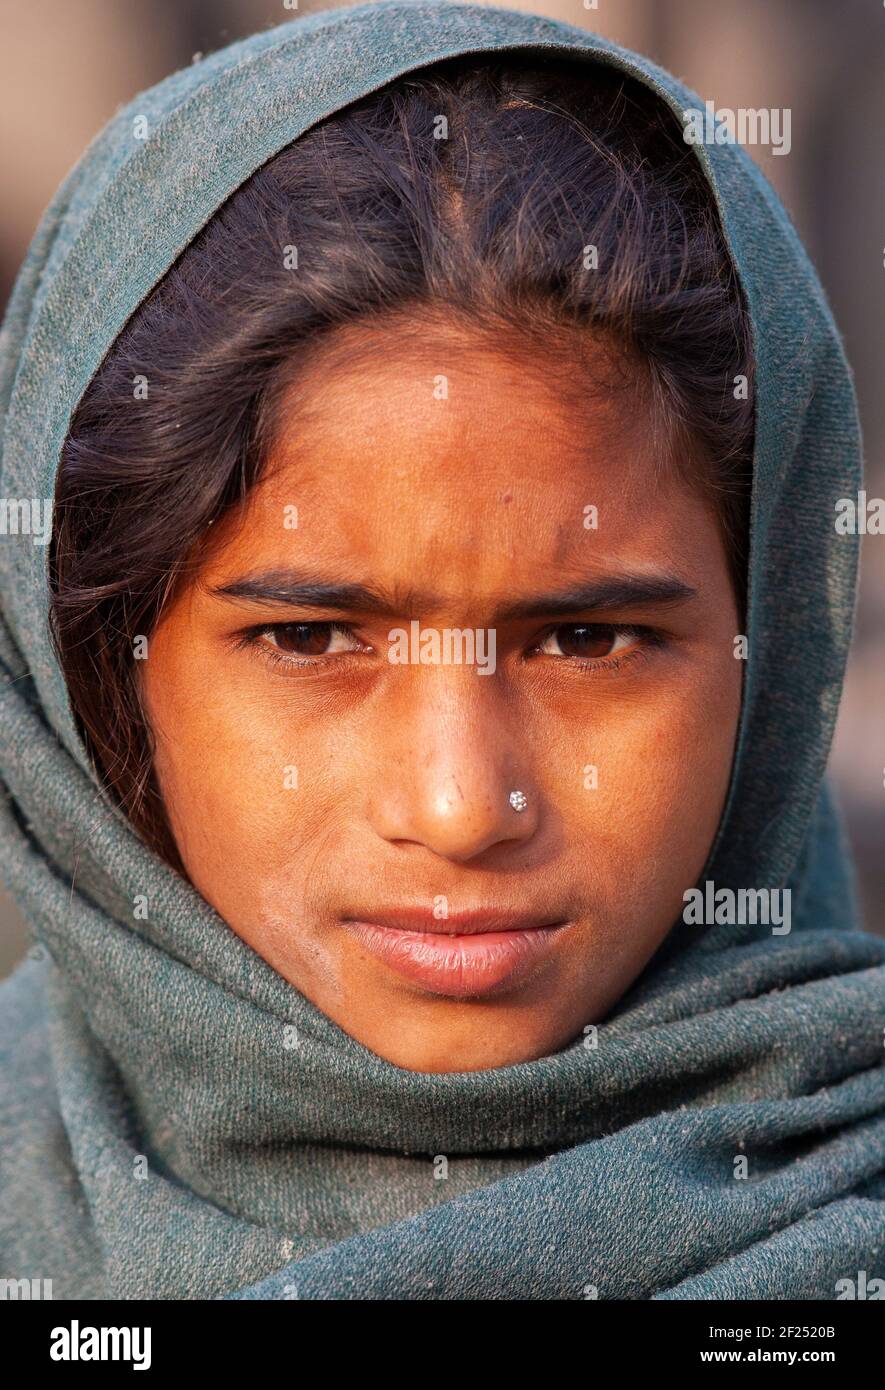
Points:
[(251, 640), (649, 638)]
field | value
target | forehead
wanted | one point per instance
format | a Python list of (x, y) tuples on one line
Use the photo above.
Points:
[(430, 455)]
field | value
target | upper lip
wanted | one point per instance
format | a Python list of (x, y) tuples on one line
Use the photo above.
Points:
[(466, 922)]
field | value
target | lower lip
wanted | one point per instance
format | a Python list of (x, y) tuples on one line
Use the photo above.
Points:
[(458, 966)]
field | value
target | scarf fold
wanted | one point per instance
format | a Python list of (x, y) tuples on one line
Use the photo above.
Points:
[(176, 1120)]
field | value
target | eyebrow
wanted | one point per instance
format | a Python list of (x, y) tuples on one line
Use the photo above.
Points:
[(291, 589)]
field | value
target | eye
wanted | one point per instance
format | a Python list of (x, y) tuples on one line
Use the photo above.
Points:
[(311, 639), (588, 641)]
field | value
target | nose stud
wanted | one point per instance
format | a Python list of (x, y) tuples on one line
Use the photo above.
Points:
[(519, 801)]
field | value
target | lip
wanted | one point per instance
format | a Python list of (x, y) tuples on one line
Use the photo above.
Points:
[(468, 953)]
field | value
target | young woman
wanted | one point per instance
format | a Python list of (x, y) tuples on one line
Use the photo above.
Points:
[(414, 729)]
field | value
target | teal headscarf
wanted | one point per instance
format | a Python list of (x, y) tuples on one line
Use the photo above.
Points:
[(176, 1120)]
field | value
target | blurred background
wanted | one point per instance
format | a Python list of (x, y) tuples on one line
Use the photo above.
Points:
[(65, 69)]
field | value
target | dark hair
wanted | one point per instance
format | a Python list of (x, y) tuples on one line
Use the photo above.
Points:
[(488, 223)]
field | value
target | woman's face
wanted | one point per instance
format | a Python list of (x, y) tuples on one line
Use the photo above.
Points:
[(346, 696)]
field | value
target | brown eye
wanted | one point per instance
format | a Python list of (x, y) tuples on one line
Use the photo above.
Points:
[(589, 641), (311, 639)]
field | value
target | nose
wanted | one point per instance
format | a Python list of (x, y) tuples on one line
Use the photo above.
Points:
[(448, 778)]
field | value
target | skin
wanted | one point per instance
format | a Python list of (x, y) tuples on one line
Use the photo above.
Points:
[(473, 502)]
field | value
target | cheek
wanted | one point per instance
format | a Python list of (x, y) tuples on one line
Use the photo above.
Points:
[(255, 779), (256, 816), (235, 782), (663, 761), (225, 769)]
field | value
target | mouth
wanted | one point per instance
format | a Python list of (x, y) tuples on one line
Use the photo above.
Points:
[(465, 954)]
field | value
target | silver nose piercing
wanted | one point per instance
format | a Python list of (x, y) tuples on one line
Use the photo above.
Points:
[(519, 801)]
